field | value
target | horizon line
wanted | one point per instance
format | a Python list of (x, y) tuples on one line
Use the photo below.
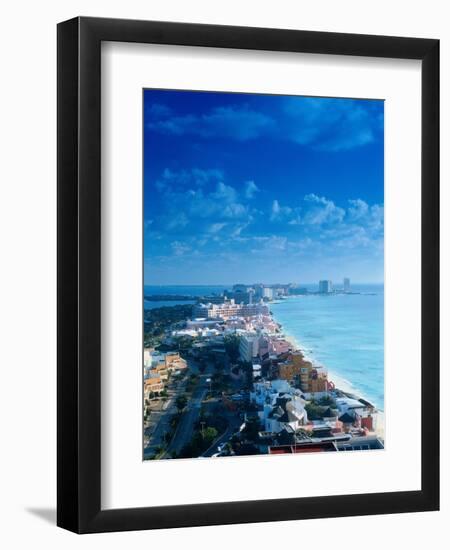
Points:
[(263, 283)]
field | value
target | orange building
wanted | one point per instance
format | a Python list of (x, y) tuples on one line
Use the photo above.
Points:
[(174, 361), (152, 385), (312, 379)]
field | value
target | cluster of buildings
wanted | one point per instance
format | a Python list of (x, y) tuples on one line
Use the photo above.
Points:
[(229, 308), (256, 293), (345, 424), (249, 294), (326, 286), (296, 406), (286, 385), (157, 367)]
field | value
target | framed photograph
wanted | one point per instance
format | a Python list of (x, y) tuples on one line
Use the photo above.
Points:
[(248, 275)]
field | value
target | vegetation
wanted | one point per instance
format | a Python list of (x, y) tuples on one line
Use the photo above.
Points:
[(181, 402), (213, 415), (231, 343), (200, 442), (315, 411), (220, 382), (169, 298), (328, 401), (158, 320), (247, 369), (175, 420), (192, 382), (202, 367)]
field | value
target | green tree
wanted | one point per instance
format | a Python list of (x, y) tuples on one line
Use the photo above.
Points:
[(181, 402), (315, 411), (231, 343), (209, 434), (328, 401)]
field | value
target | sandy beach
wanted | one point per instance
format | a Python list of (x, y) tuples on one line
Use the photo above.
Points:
[(339, 382)]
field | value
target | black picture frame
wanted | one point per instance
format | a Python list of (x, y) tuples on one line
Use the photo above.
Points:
[(79, 280)]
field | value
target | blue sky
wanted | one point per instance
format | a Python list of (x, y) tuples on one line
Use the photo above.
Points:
[(246, 188)]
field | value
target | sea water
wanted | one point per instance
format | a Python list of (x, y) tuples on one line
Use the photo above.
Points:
[(342, 332)]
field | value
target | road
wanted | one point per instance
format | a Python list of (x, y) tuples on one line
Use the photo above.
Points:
[(185, 428), (162, 420), (234, 422)]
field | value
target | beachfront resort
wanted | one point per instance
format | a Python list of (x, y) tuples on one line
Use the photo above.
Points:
[(222, 379)]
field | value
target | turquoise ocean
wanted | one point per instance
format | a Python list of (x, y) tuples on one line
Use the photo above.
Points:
[(342, 332)]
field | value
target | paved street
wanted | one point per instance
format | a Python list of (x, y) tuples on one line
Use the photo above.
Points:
[(161, 420), (185, 428), (233, 425)]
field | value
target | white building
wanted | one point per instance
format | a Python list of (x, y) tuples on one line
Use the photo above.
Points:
[(248, 346), (267, 292), (280, 405), (256, 371), (286, 411), (229, 309)]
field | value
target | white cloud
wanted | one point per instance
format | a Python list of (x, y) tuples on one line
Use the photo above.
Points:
[(231, 121), (250, 189), (376, 219), (269, 244), (177, 221), (279, 212), (327, 124), (331, 124), (357, 209), (216, 227), (179, 248), (195, 177), (224, 193), (322, 211), (158, 110)]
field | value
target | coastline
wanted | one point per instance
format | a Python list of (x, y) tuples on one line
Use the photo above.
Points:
[(339, 382)]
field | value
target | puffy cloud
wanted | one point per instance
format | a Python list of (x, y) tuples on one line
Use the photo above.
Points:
[(357, 209), (177, 221), (250, 189), (376, 218), (371, 216), (158, 110), (327, 124), (332, 124), (197, 202), (216, 227), (179, 248), (322, 211), (279, 212), (356, 237), (269, 244), (231, 121), (224, 193), (195, 177), (235, 210)]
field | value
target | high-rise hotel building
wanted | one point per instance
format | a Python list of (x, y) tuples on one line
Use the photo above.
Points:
[(325, 287)]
